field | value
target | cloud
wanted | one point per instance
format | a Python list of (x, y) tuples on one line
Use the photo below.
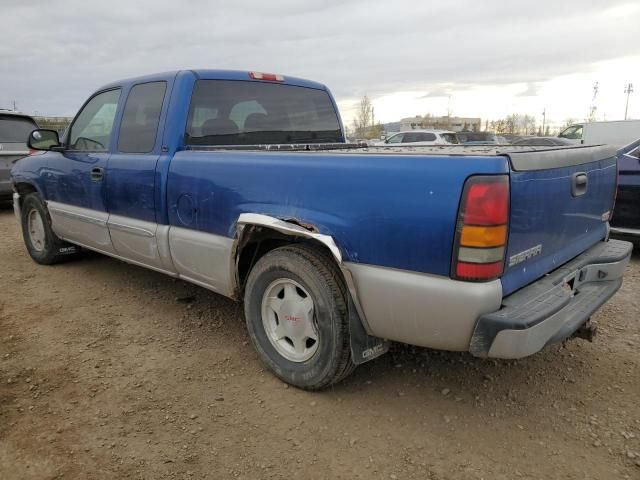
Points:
[(531, 91), (437, 93), (53, 55)]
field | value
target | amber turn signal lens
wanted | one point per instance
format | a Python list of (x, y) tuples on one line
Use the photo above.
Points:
[(473, 236)]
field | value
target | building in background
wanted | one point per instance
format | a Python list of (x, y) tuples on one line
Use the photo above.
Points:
[(457, 124)]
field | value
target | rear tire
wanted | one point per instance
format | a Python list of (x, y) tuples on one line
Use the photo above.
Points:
[(296, 312), (42, 243)]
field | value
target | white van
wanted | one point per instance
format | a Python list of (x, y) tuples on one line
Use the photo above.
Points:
[(617, 133)]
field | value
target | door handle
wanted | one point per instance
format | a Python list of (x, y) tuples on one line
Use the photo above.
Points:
[(579, 182), (97, 174)]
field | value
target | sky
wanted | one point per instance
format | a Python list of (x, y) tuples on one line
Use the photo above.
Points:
[(473, 58)]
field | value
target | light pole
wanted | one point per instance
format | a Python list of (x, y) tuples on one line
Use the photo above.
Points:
[(628, 89), (544, 118), (592, 110)]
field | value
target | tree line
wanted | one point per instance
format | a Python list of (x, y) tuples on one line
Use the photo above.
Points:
[(365, 127)]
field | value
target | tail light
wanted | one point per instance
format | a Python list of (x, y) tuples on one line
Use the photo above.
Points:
[(482, 229)]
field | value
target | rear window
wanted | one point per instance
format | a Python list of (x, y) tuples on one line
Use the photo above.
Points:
[(227, 112), (15, 129), (450, 137), (418, 137)]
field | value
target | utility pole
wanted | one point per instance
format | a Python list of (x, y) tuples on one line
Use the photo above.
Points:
[(592, 110), (628, 89), (14, 105), (544, 118)]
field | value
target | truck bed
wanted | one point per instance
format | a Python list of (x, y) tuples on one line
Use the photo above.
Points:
[(354, 148)]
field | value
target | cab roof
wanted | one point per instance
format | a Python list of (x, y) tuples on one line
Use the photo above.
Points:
[(208, 74)]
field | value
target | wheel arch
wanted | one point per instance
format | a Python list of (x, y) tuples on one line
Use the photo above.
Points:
[(24, 188), (257, 234)]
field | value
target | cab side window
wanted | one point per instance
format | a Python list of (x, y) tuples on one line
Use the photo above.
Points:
[(91, 130), (396, 138), (141, 117)]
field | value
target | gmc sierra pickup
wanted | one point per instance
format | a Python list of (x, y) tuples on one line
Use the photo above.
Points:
[(242, 183)]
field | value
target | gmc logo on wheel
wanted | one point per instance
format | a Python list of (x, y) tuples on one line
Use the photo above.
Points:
[(291, 318)]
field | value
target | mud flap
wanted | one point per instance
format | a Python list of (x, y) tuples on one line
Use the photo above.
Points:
[(68, 250), (364, 347)]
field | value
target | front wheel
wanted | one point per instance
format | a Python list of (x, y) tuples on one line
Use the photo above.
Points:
[(42, 243), (296, 312)]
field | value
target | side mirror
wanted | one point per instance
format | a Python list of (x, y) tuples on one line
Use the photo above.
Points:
[(383, 137), (42, 139)]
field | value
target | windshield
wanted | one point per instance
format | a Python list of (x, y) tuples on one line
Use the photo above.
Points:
[(14, 129), (574, 132), (226, 112)]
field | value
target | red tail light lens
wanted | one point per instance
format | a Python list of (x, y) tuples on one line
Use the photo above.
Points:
[(478, 271), (481, 229), (487, 204)]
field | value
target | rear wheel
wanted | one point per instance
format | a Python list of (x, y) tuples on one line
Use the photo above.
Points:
[(296, 313), (42, 243)]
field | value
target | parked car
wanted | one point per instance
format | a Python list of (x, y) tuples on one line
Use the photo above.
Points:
[(242, 183), (14, 130), (421, 137), (481, 138), (543, 141), (626, 214), (617, 133)]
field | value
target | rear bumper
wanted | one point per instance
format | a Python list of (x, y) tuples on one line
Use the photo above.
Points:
[(626, 232), (554, 307), (5, 190)]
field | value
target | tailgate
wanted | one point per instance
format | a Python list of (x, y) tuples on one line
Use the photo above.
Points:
[(561, 201)]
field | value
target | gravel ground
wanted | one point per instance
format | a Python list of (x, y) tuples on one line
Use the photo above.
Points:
[(112, 371)]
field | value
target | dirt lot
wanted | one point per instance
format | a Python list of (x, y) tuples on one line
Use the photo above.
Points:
[(104, 373)]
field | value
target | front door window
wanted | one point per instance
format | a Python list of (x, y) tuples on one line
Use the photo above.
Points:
[(91, 130)]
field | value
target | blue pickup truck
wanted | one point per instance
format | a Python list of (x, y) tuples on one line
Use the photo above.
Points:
[(242, 183)]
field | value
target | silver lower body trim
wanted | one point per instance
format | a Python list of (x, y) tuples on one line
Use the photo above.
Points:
[(84, 226), (420, 309), (202, 258)]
